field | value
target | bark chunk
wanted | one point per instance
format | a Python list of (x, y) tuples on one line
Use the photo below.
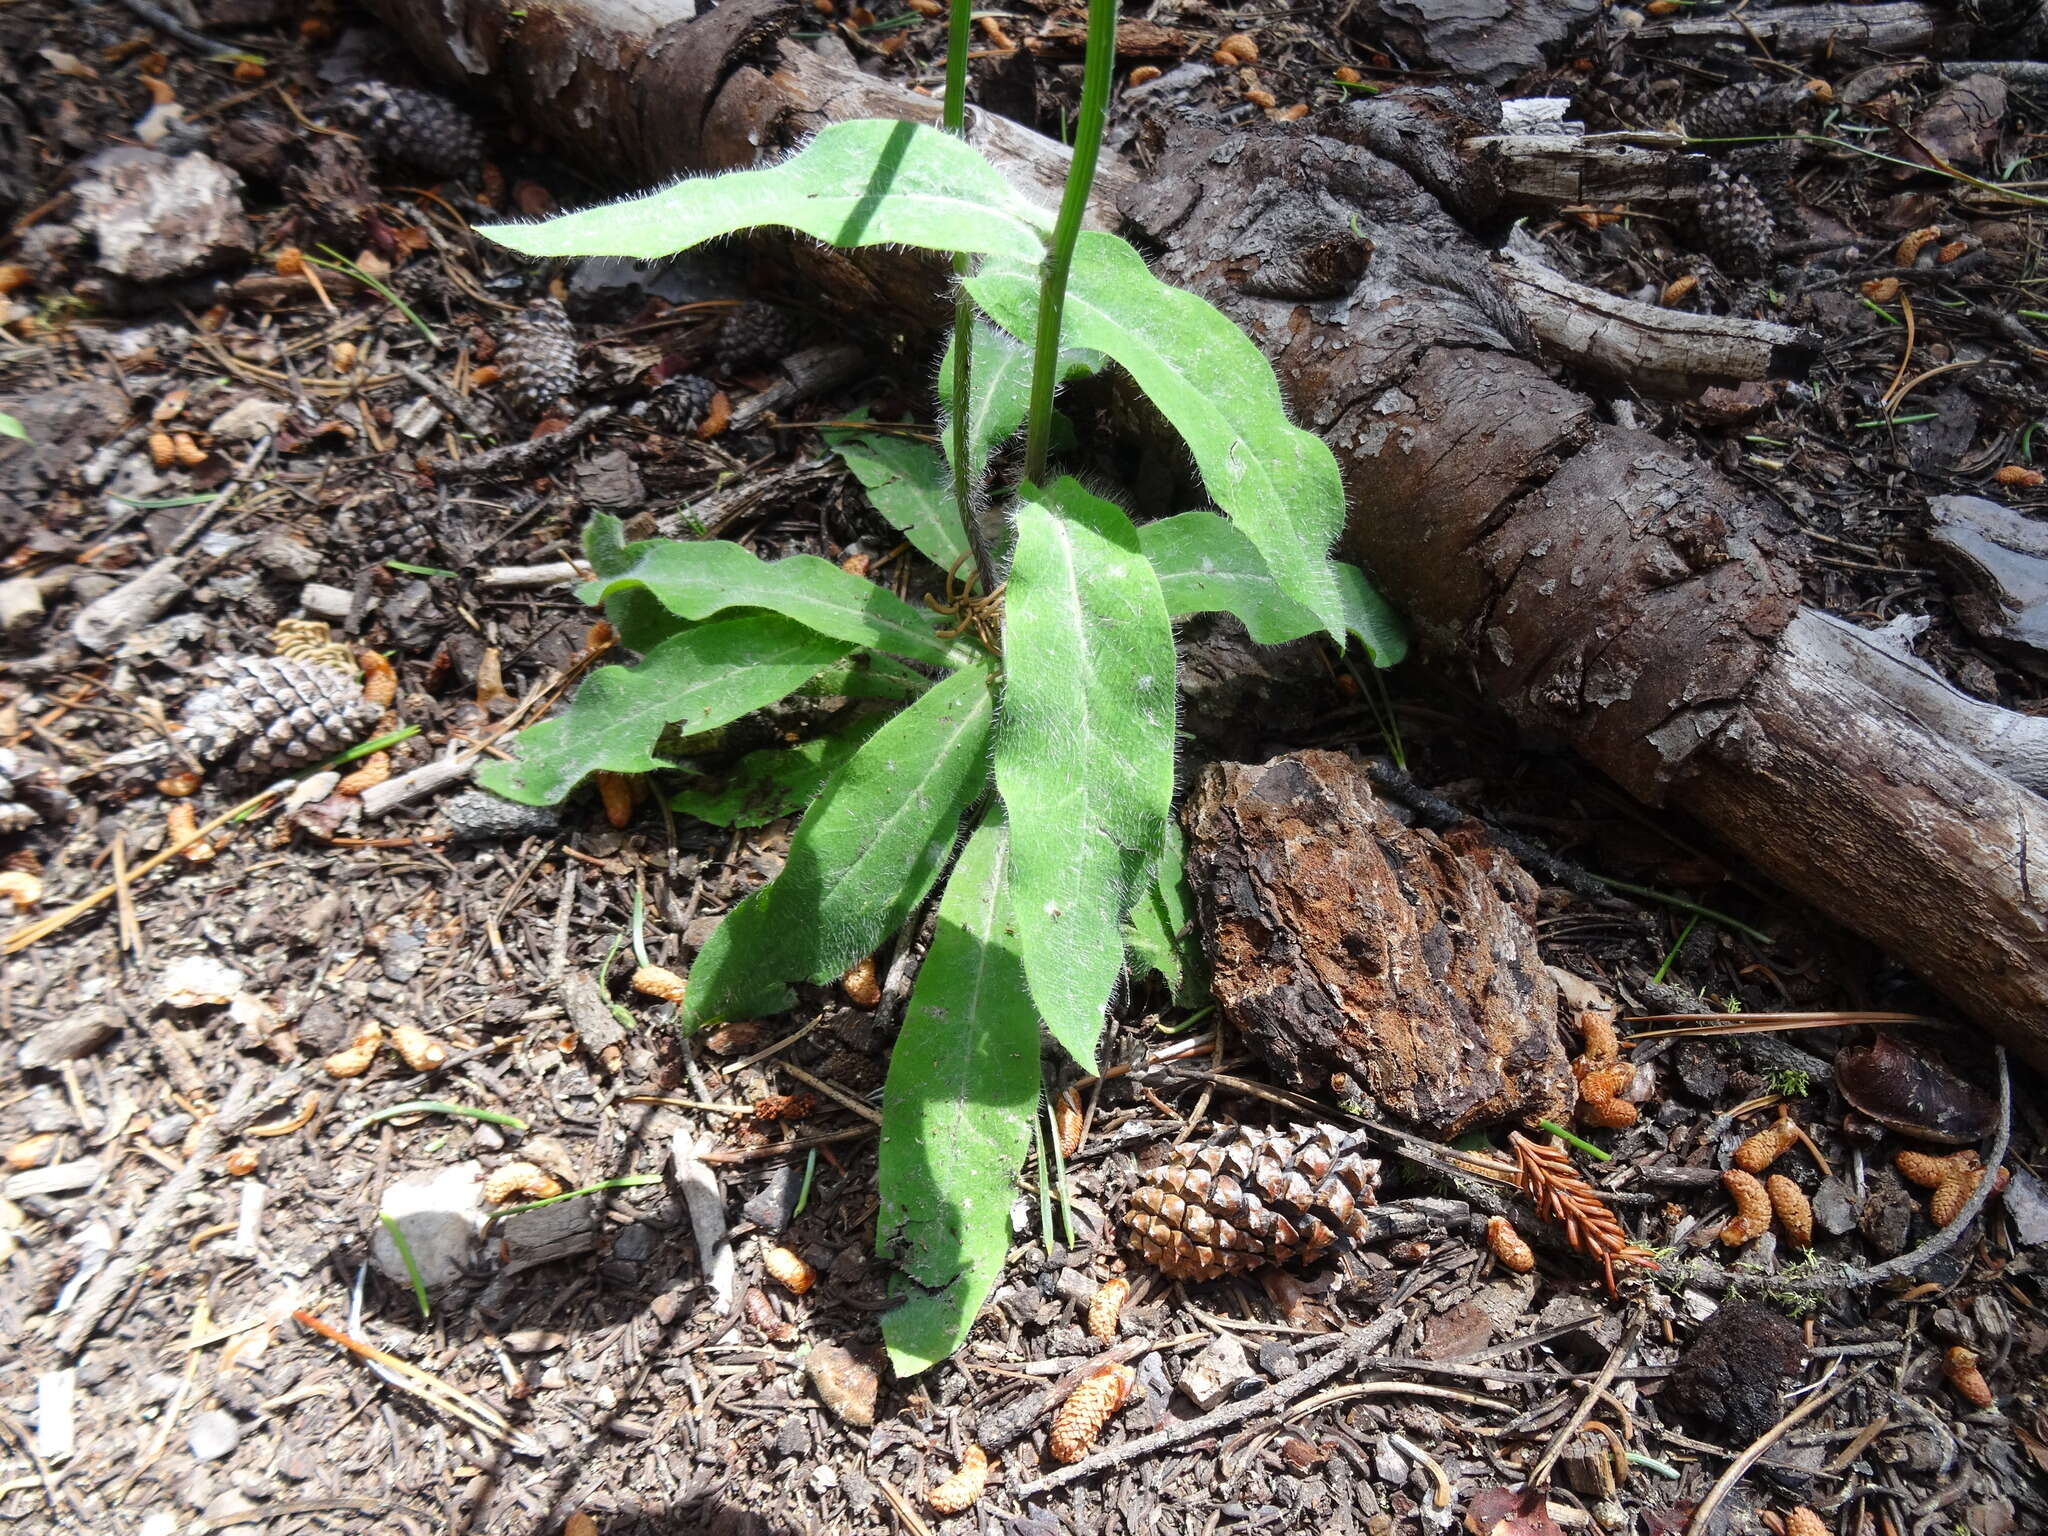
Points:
[(1343, 941)]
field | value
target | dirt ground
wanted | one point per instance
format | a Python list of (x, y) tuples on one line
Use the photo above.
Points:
[(283, 423)]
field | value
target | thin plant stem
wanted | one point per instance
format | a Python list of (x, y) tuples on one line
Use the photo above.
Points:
[(1052, 292), (959, 24)]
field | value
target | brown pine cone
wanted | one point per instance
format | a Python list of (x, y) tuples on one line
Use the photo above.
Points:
[(281, 714), (537, 358), (390, 528), (1609, 99), (1735, 224), (1752, 108), (415, 127), (678, 406), (1248, 1198), (752, 334)]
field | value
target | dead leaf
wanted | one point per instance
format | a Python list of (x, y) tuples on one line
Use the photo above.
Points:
[(1912, 1093), (68, 64)]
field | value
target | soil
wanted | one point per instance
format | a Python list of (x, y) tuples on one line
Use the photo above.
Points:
[(622, 1388)]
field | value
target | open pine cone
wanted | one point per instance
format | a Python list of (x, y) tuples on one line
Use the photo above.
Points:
[(1249, 1197), (280, 713)]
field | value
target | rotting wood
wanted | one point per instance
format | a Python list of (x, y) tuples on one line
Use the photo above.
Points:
[(1661, 351), (1341, 941), (1802, 31), (1548, 171), (1601, 586)]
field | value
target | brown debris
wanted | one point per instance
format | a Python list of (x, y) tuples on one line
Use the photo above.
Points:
[(1959, 1365), (1561, 1194), (1793, 1210), (960, 1490), (1506, 1245), (1752, 1218), (1105, 1307)]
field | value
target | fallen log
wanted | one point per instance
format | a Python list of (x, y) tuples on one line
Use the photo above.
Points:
[(1660, 351), (1600, 586)]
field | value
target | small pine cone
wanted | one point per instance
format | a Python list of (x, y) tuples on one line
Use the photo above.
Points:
[(1766, 1146), (1735, 224), (1959, 1365), (395, 529), (537, 357), (416, 127), (1952, 1194), (752, 334), (1746, 110), (1248, 1198), (1801, 1521), (1508, 1246), (1610, 99), (1930, 1171), (1793, 1210), (963, 1487), (679, 406), (1752, 1218), (1105, 1307), (1087, 1408), (280, 714)]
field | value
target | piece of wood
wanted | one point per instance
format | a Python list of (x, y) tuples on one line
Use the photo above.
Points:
[(1661, 351), (1342, 941), (1549, 171), (1997, 560), (1804, 31), (1600, 586)]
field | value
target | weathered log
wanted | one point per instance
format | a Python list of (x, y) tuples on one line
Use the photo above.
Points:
[(1601, 586), (1661, 351), (1998, 560), (1548, 171), (1342, 941), (1804, 31)]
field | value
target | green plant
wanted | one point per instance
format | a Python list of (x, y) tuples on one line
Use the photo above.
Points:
[(1039, 725), (1790, 1082)]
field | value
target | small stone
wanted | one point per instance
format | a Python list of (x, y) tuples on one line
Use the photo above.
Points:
[(633, 1244), (325, 602), (214, 1434), (1834, 1212), (250, 419), (2026, 1207), (168, 1130), (1277, 1359), (1073, 1285), (769, 1207), (21, 605), (199, 981), (1212, 1377), (793, 1438), (282, 555), (440, 1213)]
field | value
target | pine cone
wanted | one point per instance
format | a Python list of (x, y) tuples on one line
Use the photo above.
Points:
[(1754, 107), (1248, 1198), (281, 714), (390, 528), (537, 357), (1735, 224), (1609, 99), (754, 333), (678, 406), (416, 127)]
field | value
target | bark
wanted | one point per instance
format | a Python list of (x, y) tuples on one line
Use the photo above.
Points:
[(1547, 171), (1660, 351), (1340, 940), (1803, 31), (1599, 585)]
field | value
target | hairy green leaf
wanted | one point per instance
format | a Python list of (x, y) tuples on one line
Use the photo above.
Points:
[(1160, 931), (999, 390), (866, 852), (696, 580), (956, 1114), (1278, 483), (1084, 757), (1206, 565), (868, 675), (907, 484), (870, 182), (705, 677), (780, 781)]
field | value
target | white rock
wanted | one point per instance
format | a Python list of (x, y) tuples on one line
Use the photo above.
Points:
[(325, 602), (156, 217), (199, 981), (250, 419), (2026, 1207), (21, 604), (440, 1213), (214, 1435), (1213, 1375)]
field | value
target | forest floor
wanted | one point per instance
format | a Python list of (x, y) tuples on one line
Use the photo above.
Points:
[(271, 391)]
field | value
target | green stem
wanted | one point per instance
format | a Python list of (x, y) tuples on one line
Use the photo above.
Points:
[(1052, 293), (959, 24)]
